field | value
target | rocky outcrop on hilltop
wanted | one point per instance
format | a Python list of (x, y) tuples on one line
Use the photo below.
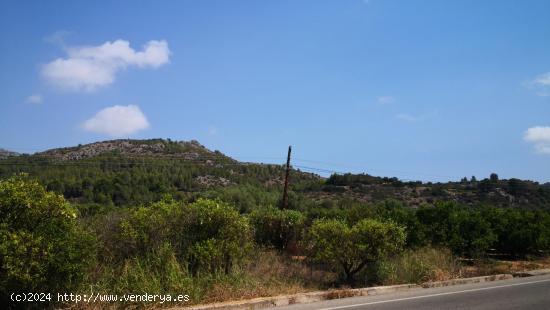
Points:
[(190, 150)]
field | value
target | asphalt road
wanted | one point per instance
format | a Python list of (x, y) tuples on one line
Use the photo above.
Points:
[(532, 293)]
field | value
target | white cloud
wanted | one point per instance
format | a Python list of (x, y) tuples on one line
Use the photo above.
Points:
[(385, 99), (406, 117), (117, 121), (540, 84), (213, 131), (89, 67), (35, 99), (543, 79), (540, 137)]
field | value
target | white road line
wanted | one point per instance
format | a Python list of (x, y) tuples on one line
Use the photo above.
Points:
[(433, 295)]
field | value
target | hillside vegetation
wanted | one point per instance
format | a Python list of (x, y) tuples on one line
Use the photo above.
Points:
[(166, 217), (129, 172)]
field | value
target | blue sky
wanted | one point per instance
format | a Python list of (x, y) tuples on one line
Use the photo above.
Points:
[(424, 90)]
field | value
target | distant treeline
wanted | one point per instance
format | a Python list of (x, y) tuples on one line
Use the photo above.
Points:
[(490, 191)]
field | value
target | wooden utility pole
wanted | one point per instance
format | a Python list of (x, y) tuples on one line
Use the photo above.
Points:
[(285, 190)]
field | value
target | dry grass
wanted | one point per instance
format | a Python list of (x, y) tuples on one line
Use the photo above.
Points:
[(489, 267), (418, 266), (269, 274)]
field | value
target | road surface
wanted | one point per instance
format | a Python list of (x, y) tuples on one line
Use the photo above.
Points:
[(532, 293)]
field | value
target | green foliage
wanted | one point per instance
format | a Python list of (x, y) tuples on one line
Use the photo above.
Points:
[(355, 180), (145, 229), (406, 217), (335, 243), (520, 232), (217, 235), (206, 236), (134, 172), (42, 247), (490, 191), (462, 229), (245, 197), (276, 227), (160, 226), (469, 233), (157, 272)]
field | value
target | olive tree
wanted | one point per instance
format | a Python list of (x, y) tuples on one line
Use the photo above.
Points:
[(351, 248)]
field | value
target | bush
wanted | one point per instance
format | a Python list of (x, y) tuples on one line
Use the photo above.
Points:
[(206, 236), (145, 229), (216, 235), (276, 227), (42, 248), (335, 243)]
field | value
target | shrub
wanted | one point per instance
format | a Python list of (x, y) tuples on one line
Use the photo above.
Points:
[(42, 248), (216, 235), (276, 227), (335, 243), (206, 236), (145, 229)]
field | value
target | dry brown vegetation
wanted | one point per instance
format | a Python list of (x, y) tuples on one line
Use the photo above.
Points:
[(489, 267)]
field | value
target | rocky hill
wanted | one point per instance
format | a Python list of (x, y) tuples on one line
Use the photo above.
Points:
[(190, 150), (126, 172)]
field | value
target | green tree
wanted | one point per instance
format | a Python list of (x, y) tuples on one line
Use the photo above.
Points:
[(42, 247), (470, 234), (396, 212), (350, 249)]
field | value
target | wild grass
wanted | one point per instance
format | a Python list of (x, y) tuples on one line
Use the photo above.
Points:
[(418, 266), (267, 274), (270, 273)]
